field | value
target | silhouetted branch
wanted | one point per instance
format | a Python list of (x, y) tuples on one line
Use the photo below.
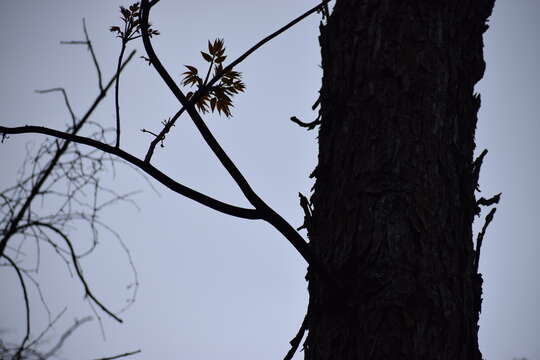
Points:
[(26, 304), (54, 163), (264, 41), (476, 166), (480, 238), (88, 43), (161, 136), (487, 202), (267, 213), (66, 100), (121, 355), (9, 231), (87, 290), (116, 93), (147, 168), (94, 58), (49, 326), (304, 204), (295, 342), (309, 126), (65, 336)]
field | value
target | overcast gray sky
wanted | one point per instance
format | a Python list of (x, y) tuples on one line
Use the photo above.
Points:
[(211, 285)]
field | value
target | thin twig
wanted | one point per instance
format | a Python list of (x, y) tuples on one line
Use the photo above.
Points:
[(26, 304), (78, 270), (66, 335), (94, 58), (121, 355), (49, 326), (116, 93), (66, 99), (261, 43), (161, 136)]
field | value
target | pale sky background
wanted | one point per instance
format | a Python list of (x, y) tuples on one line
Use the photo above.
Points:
[(212, 285)]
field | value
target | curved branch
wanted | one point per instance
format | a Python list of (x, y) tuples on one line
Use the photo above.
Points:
[(66, 100), (268, 213), (26, 304), (207, 135), (175, 186), (87, 290)]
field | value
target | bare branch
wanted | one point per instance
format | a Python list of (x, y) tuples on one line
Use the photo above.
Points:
[(121, 355), (49, 326), (66, 99), (87, 290), (88, 43), (66, 335), (116, 93), (26, 304), (147, 168), (94, 58), (36, 187)]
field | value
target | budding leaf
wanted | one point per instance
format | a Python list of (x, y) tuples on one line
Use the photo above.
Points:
[(206, 56)]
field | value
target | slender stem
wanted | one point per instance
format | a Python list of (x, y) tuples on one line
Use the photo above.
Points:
[(26, 304), (94, 59), (161, 135), (121, 355), (116, 92), (209, 70)]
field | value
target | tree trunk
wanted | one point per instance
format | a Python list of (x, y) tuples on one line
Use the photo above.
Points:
[(394, 194)]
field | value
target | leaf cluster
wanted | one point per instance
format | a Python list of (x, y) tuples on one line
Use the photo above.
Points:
[(132, 25), (217, 97)]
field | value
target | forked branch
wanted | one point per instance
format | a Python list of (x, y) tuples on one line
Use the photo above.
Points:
[(262, 208)]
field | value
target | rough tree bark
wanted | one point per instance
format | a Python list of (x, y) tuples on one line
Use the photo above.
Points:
[(394, 195)]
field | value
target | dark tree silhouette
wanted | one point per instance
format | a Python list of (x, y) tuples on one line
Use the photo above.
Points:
[(393, 272), (394, 196)]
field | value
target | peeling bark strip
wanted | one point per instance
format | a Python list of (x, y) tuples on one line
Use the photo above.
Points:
[(394, 196)]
